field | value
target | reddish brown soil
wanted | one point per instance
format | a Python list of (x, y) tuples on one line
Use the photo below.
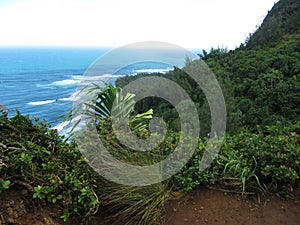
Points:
[(203, 206), (212, 207)]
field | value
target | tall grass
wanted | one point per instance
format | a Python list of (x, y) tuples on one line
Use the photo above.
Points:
[(134, 205)]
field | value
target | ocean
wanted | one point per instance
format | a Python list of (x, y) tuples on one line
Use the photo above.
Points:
[(42, 81)]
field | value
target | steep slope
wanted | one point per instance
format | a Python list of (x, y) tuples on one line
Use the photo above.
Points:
[(260, 81), (281, 21)]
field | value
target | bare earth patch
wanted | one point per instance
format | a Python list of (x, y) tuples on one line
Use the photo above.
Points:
[(203, 206), (212, 207)]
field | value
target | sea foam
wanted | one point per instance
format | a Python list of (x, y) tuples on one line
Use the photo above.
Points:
[(41, 102)]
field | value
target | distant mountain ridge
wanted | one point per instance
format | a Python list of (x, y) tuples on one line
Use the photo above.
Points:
[(282, 20)]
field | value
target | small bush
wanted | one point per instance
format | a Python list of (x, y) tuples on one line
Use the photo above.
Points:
[(268, 161), (35, 156)]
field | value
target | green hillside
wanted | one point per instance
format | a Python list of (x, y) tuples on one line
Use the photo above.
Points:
[(265, 73), (282, 21), (260, 80)]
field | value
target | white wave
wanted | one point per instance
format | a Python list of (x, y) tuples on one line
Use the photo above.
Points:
[(59, 127), (151, 70), (67, 126), (69, 99), (73, 97), (65, 82), (77, 79), (66, 99), (48, 86), (41, 102)]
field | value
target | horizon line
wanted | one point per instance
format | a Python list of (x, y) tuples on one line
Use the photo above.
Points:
[(87, 46)]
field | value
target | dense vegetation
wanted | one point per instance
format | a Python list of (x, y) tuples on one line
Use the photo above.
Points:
[(282, 20), (36, 157), (260, 152), (260, 86)]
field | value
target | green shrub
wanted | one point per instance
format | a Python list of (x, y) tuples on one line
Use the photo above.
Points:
[(35, 156), (268, 161), (264, 162), (190, 176)]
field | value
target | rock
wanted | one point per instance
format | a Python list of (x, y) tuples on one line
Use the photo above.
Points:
[(175, 193), (24, 192), (13, 210), (46, 221)]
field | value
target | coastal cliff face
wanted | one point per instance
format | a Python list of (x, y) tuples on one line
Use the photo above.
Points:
[(282, 20)]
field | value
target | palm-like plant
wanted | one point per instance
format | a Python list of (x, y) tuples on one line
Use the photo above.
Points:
[(107, 101), (106, 105)]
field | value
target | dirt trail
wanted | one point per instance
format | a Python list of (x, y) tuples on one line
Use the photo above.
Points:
[(203, 206), (211, 207)]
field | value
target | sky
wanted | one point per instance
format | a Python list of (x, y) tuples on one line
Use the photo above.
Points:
[(187, 23)]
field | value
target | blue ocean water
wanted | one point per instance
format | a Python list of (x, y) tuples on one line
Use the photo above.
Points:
[(42, 81)]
